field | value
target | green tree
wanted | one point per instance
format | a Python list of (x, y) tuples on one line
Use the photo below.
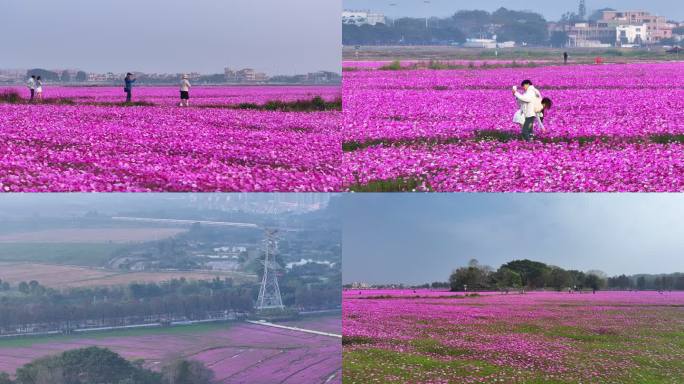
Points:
[(559, 39), (641, 282), (81, 76), (474, 276), (533, 273), (594, 281), (44, 74), (85, 366), (187, 372), (24, 287), (5, 378), (507, 278), (559, 278)]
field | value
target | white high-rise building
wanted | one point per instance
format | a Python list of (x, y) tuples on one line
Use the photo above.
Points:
[(362, 17)]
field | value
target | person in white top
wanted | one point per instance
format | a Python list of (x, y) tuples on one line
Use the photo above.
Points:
[(184, 91), (31, 84), (39, 88), (530, 103)]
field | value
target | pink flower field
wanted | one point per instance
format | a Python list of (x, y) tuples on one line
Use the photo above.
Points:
[(241, 354), (95, 147), (613, 128), (377, 64), (538, 337), (199, 95)]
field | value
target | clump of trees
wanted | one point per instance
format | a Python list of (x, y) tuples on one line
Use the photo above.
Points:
[(507, 25), (520, 274), (53, 76), (664, 282), (97, 365), (530, 274), (33, 303)]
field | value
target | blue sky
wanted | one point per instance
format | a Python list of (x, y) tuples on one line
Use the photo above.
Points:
[(418, 238), (280, 37), (552, 10)]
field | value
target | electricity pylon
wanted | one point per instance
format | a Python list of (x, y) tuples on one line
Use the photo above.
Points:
[(269, 293)]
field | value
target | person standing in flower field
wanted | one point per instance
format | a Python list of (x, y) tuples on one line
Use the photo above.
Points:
[(530, 105), (39, 88), (128, 86), (184, 91), (31, 84)]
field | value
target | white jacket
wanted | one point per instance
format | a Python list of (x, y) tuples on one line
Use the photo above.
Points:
[(531, 101), (31, 83), (185, 85)]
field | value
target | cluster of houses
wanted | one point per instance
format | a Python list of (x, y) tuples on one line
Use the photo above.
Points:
[(620, 29), (623, 29)]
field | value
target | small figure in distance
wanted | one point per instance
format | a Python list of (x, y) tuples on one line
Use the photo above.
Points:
[(31, 84), (565, 57), (128, 86), (39, 88), (184, 91)]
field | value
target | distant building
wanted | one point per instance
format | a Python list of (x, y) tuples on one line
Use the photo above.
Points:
[(362, 17), (246, 75), (323, 77), (585, 35), (633, 35), (230, 75), (657, 27), (487, 44)]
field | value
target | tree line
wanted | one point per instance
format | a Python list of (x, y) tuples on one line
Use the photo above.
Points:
[(98, 365), (30, 303), (530, 274), (64, 76), (507, 25)]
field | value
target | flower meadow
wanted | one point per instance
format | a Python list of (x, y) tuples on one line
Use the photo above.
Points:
[(538, 337), (378, 64), (236, 353), (612, 128), (87, 146), (199, 95)]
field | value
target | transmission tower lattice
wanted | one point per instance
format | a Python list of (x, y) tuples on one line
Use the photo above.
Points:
[(269, 293), (582, 9)]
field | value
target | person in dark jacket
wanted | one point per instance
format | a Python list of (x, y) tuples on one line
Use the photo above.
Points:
[(128, 86)]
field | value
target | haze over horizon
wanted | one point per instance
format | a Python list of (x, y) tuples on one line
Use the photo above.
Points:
[(416, 239), (552, 10), (170, 36)]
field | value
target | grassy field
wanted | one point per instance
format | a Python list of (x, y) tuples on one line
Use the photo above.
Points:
[(536, 338), (456, 53), (65, 276), (236, 352), (90, 235), (17, 342), (87, 254)]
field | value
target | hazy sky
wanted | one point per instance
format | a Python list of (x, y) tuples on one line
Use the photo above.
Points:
[(280, 37), (552, 10), (418, 238)]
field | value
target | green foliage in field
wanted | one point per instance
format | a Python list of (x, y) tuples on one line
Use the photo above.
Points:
[(98, 365), (396, 185), (373, 365), (316, 104), (85, 254), (27, 342)]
